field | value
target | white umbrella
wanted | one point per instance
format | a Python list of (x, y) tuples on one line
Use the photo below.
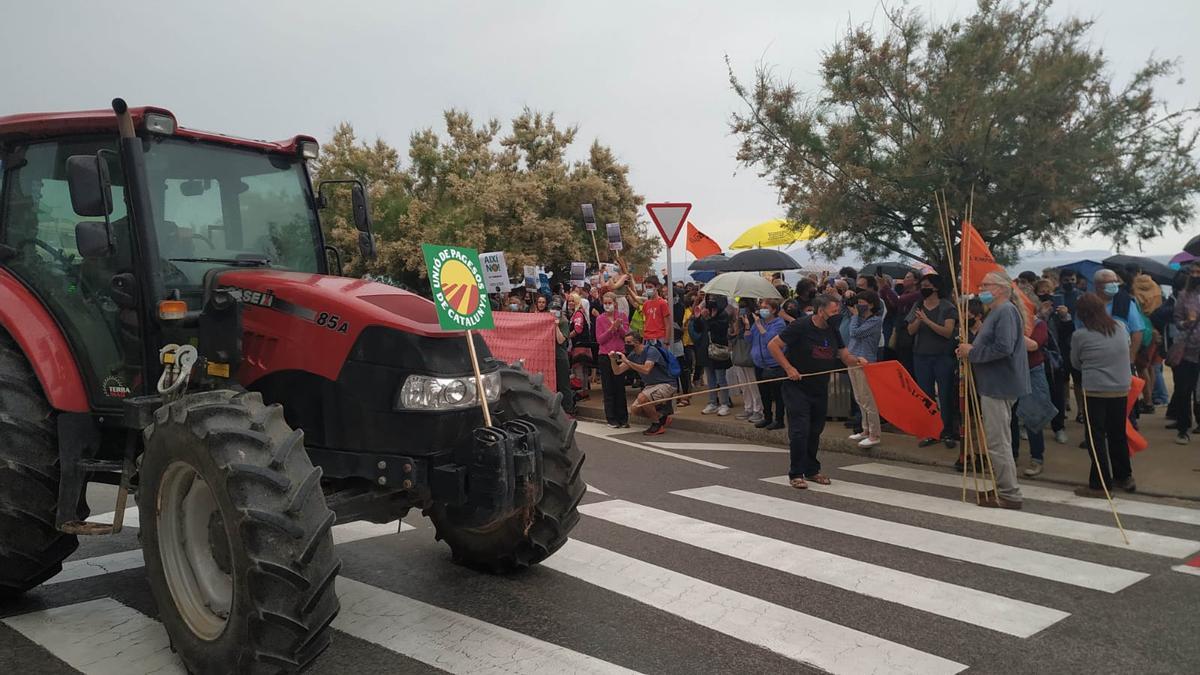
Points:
[(741, 285)]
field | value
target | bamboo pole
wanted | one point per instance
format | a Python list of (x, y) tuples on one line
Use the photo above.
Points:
[(738, 386), (479, 390), (1096, 458)]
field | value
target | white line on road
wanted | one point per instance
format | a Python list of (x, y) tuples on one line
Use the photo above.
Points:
[(1143, 542), (720, 447), (800, 637), (75, 570), (101, 637), (982, 552), (1176, 514), (451, 641), (608, 434), (1014, 617), (595, 490), (1187, 569)]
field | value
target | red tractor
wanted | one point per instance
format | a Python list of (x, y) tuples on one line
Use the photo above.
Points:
[(191, 341)]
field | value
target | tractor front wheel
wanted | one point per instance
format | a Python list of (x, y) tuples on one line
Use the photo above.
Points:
[(238, 552), (518, 541)]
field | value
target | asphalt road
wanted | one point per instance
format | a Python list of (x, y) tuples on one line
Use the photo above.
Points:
[(688, 561)]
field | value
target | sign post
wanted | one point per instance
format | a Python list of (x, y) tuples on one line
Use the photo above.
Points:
[(456, 278), (589, 224), (669, 218)]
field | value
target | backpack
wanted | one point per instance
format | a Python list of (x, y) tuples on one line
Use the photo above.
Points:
[(672, 363)]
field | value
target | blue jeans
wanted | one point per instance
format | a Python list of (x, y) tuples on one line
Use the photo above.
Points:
[(939, 370), (717, 378), (1161, 397), (1038, 399)]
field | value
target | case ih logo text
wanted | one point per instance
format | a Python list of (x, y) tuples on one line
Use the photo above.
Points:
[(249, 297)]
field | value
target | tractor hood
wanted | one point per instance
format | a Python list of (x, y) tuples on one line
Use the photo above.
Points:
[(310, 322)]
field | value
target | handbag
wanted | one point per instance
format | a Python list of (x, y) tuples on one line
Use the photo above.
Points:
[(741, 353), (718, 352), (1178, 348)]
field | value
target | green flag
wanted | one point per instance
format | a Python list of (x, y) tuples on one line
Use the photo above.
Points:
[(456, 278)]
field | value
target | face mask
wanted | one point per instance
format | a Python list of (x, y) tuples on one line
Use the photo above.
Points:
[(863, 309), (1044, 297), (766, 313), (1112, 288), (926, 292), (987, 298), (1193, 282), (1068, 283), (557, 314), (608, 307), (512, 306)]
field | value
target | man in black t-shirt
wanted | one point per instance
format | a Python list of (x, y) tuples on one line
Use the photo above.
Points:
[(809, 344)]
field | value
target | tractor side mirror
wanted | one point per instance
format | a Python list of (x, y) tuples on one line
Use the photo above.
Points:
[(366, 245), (362, 215), (89, 184), (93, 239)]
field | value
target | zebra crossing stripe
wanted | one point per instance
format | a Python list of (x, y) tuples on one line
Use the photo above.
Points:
[(980, 608), (1144, 542), (596, 490), (1022, 561), (721, 447), (1125, 507), (75, 570), (448, 640), (1187, 569), (800, 637), (608, 434), (101, 637)]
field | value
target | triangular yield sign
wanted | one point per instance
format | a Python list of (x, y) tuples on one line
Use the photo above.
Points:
[(669, 218)]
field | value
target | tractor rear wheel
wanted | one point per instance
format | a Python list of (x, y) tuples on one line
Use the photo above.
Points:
[(238, 552), (31, 548), (518, 542)]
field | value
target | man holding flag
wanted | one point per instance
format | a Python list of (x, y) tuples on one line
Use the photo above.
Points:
[(1001, 371)]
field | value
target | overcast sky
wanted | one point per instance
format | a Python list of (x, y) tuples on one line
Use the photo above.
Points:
[(645, 77)]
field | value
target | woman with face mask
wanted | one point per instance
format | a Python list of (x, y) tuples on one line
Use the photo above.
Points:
[(767, 324), (1184, 357), (742, 371), (866, 327), (611, 328), (933, 323)]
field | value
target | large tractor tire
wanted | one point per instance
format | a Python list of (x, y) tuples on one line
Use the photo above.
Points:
[(517, 542), (31, 548), (238, 547)]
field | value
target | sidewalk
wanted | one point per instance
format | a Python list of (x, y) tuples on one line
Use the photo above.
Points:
[(1164, 469)]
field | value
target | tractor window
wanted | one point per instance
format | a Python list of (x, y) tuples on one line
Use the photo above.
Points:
[(221, 203), (40, 224)]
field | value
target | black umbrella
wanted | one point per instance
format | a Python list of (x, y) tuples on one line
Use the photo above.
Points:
[(761, 260), (709, 263), (1157, 271), (895, 270), (1193, 246)]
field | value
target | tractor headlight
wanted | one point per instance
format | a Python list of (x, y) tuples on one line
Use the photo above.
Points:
[(421, 392)]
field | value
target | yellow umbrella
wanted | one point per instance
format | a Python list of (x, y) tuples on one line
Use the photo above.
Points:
[(773, 233)]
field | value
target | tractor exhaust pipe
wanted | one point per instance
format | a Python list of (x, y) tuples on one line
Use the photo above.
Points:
[(124, 119)]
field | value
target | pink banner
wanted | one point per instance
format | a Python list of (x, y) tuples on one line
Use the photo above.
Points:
[(524, 337)]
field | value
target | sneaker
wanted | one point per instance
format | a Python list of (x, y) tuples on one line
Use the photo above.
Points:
[(624, 425), (755, 418), (858, 437), (614, 425), (710, 409), (1089, 492), (868, 442), (665, 421), (1061, 436), (774, 426), (1183, 438), (723, 411), (1079, 419), (1035, 468), (1127, 485), (1173, 425), (654, 429), (744, 415), (925, 443), (763, 423)]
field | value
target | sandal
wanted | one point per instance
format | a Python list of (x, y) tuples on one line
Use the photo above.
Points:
[(820, 479), (799, 484)]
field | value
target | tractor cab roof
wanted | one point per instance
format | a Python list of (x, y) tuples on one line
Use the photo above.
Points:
[(29, 126)]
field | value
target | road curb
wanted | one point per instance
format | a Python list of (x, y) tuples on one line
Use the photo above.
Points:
[(747, 432)]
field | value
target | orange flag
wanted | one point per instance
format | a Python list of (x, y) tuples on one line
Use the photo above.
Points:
[(901, 401), (1136, 441), (976, 258), (699, 244)]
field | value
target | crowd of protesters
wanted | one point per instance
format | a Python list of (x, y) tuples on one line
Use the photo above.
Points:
[(1041, 347)]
